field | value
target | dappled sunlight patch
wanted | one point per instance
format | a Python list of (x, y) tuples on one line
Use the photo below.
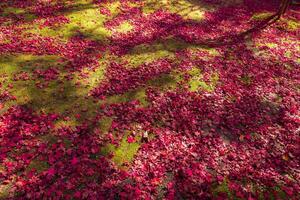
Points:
[(124, 27), (145, 54), (196, 81), (17, 15), (123, 100), (201, 52), (291, 24), (19, 78), (192, 10), (66, 122), (88, 22), (5, 189), (262, 15), (123, 153)]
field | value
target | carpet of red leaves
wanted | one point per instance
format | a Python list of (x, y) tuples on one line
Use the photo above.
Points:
[(245, 134)]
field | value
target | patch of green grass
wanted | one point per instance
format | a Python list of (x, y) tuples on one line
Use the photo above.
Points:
[(7, 11), (124, 27), (63, 97), (142, 54), (293, 25), (124, 153), (192, 10), (5, 190), (262, 15), (94, 77), (137, 94), (166, 81), (105, 124), (246, 80), (37, 165), (197, 83), (222, 188), (12, 10), (87, 21)]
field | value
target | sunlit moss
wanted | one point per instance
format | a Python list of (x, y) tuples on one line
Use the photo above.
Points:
[(196, 82), (113, 7), (268, 44), (63, 97), (25, 14), (94, 77), (122, 154), (193, 10), (87, 21), (13, 64), (66, 123), (12, 10), (5, 190), (293, 25), (261, 16), (124, 27)]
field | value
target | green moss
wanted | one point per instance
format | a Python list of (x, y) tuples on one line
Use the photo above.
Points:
[(37, 165), (222, 188), (13, 64), (5, 190), (142, 54), (138, 94), (262, 15), (293, 25), (12, 10), (194, 50), (196, 81), (61, 97), (94, 77), (113, 7), (18, 12), (124, 153), (192, 10), (66, 123), (166, 81), (105, 124), (124, 27), (87, 20), (246, 80)]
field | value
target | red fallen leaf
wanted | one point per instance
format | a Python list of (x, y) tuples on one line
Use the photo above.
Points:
[(74, 161), (77, 194), (155, 181), (289, 191), (20, 183), (77, 116), (189, 172), (51, 172), (130, 139)]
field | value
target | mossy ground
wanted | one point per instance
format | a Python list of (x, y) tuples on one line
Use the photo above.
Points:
[(71, 97)]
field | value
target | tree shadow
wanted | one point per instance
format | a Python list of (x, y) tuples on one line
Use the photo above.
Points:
[(23, 13)]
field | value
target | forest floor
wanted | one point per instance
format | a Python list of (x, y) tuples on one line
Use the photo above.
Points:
[(156, 99)]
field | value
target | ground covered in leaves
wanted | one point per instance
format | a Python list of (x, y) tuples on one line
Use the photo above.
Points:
[(107, 99)]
